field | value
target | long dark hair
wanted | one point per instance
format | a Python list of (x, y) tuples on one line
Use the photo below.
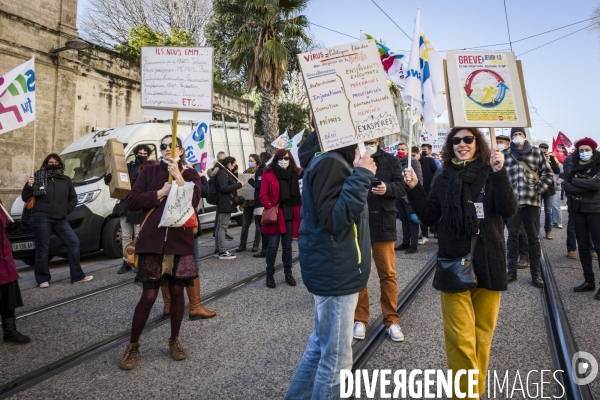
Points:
[(483, 150), (56, 157), (282, 153), (264, 158), (180, 144)]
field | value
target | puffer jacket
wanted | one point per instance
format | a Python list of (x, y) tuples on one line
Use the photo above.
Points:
[(583, 186), (58, 202)]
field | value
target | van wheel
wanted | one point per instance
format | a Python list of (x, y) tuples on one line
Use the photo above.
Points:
[(31, 260), (239, 220), (111, 239)]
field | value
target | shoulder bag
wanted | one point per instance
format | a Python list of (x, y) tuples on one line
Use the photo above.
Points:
[(269, 216), (129, 250), (455, 275), (527, 167)]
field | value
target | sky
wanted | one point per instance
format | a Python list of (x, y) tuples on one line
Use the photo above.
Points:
[(562, 78)]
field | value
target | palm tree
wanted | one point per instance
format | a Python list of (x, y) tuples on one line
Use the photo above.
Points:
[(261, 46)]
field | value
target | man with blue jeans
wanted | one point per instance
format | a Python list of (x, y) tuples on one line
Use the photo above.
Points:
[(548, 196), (335, 260)]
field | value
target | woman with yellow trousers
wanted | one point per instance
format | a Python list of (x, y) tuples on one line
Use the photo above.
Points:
[(470, 196)]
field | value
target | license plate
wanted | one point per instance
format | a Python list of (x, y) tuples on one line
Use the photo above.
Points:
[(23, 246)]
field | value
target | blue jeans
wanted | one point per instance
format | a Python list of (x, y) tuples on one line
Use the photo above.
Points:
[(42, 227), (556, 212), (410, 230), (286, 245), (328, 351), (197, 252), (548, 200), (572, 237)]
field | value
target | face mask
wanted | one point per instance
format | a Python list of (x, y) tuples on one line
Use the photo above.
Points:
[(501, 146), (585, 156), (371, 149), (518, 140), (401, 154), (251, 164), (423, 154), (141, 159), (55, 167), (283, 163)]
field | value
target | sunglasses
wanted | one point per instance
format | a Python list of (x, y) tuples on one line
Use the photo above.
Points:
[(467, 139), (165, 146), (286, 158), (371, 143)]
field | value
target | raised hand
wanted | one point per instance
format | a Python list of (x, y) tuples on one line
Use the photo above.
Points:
[(497, 160), (365, 161), (410, 177)]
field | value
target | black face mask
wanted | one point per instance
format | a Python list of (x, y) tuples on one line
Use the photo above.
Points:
[(53, 167), (424, 153), (141, 159)]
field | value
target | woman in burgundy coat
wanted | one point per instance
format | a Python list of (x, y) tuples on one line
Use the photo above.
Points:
[(280, 187), (10, 294), (166, 255)]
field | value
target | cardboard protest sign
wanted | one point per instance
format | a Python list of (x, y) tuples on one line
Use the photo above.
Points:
[(177, 78), (349, 95), (247, 191), (486, 90)]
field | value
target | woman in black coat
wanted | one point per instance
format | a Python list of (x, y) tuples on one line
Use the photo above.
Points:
[(255, 182), (471, 174), (55, 198)]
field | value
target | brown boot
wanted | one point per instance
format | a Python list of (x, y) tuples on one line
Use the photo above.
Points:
[(130, 356), (197, 311), (177, 352), (167, 300)]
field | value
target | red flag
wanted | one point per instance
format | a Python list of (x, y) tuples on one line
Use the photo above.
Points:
[(565, 140), (559, 149)]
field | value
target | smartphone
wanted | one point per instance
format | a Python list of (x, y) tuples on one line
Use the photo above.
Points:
[(375, 183)]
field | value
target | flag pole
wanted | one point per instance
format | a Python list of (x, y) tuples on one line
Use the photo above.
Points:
[(173, 138), (33, 156)]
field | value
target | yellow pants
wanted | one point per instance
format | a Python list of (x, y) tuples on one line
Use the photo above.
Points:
[(469, 321)]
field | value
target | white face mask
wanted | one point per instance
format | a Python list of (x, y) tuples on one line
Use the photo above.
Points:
[(585, 156), (284, 163), (501, 146), (518, 140), (371, 149)]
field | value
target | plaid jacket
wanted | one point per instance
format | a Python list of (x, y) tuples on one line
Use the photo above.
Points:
[(526, 190)]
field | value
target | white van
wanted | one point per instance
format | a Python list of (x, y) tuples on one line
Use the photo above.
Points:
[(84, 164)]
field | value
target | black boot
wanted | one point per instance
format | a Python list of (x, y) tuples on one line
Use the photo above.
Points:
[(255, 247), (511, 275), (9, 328), (290, 280), (585, 287), (270, 281), (242, 247), (537, 281), (124, 268), (262, 254)]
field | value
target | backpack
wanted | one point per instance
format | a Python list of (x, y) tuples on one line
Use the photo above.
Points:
[(213, 192)]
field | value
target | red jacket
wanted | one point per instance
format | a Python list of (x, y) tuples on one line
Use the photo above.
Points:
[(8, 269), (269, 197)]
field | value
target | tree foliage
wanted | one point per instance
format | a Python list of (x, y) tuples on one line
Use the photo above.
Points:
[(143, 36), (292, 117)]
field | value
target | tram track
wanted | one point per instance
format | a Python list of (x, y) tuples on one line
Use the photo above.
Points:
[(43, 373)]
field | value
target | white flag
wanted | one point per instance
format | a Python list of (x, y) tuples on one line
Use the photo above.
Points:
[(17, 97), (282, 141), (294, 146), (424, 85), (195, 146)]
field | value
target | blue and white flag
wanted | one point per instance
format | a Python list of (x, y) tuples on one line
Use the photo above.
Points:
[(424, 85), (17, 97)]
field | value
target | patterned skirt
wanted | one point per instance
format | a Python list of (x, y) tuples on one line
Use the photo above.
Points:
[(162, 269)]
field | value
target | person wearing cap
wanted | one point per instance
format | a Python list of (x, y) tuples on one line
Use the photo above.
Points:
[(582, 183), (530, 176), (502, 141), (548, 196)]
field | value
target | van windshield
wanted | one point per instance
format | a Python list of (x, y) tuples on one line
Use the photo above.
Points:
[(84, 166)]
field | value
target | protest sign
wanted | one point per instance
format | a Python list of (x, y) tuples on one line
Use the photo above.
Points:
[(195, 147), (486, 90), (392, 148), (177, 78), (247, 191), (349, 95)]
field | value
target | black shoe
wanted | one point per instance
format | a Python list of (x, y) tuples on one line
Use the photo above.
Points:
[(523, 261), (124, 268), (290, 280), (228, 238), (11, 334), (262, 254), (411, 250), (537, 281), (240, 249), (270, 281), (511, 276), (254, 248), (585, 287), (402, 247), (597, 296)]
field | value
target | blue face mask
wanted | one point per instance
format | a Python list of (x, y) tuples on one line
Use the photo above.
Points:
[(585, 156), (372, 149), (251, 164)]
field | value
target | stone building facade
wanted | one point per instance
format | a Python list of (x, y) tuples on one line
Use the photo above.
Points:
[(75, 89)]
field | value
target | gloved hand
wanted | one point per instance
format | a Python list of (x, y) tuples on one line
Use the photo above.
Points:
[(107, 178), (415, 219)]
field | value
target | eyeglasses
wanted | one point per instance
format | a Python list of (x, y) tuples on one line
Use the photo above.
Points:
[(286, 158), (467, 139), (165, 146), (371, 143)]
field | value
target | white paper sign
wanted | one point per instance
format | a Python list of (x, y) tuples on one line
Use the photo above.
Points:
[(177, 78), (247, 191), (348, 94)]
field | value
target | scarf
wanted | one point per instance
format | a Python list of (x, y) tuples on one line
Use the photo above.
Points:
[(464, 182), (289, 190), (41, 180), (519, 153), (584, 168)]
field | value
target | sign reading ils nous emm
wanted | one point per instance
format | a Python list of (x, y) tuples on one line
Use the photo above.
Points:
[(349, 94), (178, 78)]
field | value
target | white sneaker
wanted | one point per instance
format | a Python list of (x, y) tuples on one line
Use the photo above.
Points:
[(423, 240), (45, 285), (360, 330), (226, 256), (395, 333), (86, 279)]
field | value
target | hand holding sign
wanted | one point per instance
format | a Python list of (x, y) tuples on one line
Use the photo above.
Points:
[(497, 160)]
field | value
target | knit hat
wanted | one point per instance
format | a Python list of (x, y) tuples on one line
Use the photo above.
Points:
[(515, 130), (586, 141)]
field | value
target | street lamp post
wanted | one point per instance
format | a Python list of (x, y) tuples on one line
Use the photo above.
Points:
[(73, 44)]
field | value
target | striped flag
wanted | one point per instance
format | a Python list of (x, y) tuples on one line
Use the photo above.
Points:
[(394, 63)]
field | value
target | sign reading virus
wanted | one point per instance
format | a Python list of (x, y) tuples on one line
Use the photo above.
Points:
[(486, 90)]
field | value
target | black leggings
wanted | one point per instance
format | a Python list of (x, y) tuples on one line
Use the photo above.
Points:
[(265, 239), (143, 308), (8, 314)]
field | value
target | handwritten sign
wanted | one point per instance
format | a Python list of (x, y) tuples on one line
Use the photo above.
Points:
[(348, 94), (177, 78)]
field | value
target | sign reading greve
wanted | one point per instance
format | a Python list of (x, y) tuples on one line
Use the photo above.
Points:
[(177, 78), (348, 93)]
